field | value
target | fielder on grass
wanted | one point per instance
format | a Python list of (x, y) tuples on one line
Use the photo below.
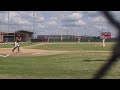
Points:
[(16, 43)]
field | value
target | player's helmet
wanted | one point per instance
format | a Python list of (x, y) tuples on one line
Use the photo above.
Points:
[(18, 35)]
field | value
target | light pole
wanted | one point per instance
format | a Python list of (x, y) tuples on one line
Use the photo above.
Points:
[(67, 34), (34, 23), (8, 21), (86, 19), (86, 26)]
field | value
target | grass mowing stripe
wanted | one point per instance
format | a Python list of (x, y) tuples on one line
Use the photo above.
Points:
[(73, 47)]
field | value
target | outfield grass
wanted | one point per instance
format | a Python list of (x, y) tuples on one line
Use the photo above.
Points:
[(75, 46), (70, 65)]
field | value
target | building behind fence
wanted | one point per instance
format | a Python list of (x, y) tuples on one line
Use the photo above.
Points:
[(71, 38)]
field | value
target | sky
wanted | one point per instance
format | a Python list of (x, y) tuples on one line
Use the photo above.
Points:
[(79, 23)]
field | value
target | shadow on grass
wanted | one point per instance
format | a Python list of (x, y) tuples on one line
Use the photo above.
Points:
[(94, 60)]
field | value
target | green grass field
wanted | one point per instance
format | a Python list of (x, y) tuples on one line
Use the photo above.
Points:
[(76, 64)]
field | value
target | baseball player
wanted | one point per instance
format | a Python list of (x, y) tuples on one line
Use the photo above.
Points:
[(16, 43)]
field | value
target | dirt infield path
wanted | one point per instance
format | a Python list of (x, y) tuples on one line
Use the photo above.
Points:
[(35, 52), (29, 52)]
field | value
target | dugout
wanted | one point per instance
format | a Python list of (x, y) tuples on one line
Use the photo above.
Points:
[(10, 37), (1, 37)]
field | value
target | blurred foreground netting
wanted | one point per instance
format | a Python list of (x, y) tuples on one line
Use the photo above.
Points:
[(116, 50)]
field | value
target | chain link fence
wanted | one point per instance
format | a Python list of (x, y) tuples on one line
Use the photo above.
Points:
[(116, 50)]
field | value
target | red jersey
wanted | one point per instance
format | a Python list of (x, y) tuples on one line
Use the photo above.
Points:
[(17, 39)]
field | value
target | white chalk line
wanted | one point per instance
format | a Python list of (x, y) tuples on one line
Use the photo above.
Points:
[(5, 55)]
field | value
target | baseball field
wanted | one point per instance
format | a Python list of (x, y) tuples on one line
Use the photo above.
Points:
[(56, 60)]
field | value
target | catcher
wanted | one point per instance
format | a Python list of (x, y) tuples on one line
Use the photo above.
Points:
[(16, 43)]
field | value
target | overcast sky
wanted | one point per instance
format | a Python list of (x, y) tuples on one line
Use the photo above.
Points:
[(57, 22)]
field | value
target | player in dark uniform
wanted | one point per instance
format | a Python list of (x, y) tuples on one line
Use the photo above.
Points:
[(16, 44)]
